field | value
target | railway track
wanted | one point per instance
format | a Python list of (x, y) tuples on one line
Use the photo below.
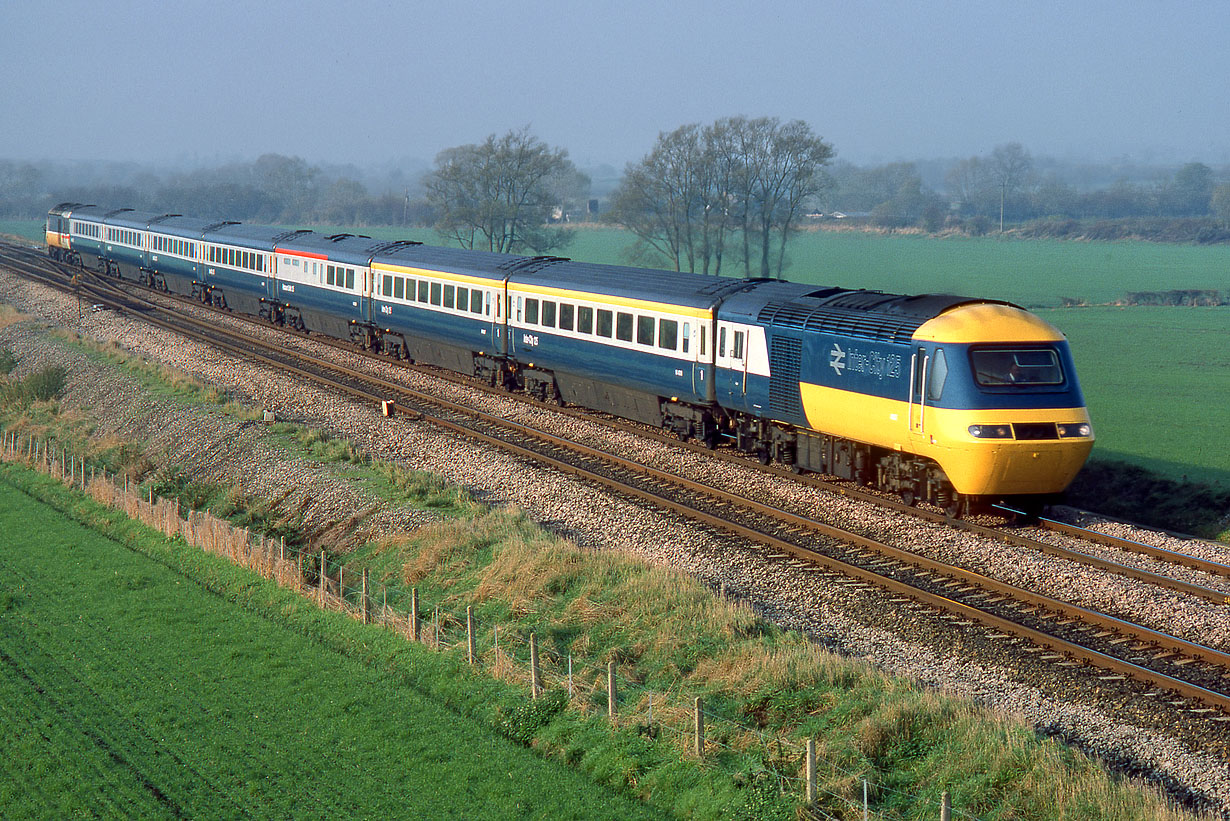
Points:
[(1056, 630)]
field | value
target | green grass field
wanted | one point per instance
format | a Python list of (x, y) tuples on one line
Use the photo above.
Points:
[(1028, 272), (128, 690), (1157, 382)]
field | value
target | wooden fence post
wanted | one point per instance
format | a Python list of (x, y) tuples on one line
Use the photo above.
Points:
[(700, 728), (470, 633), (610, 691), (811, 771), (415, 624), (364, 594), (946, 806), (535, 673), (322, 578)]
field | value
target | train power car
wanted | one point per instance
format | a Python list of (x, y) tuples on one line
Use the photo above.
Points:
[(950, 400), (935, 397)]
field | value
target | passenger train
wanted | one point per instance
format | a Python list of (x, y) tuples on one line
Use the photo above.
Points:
[(954, 401)]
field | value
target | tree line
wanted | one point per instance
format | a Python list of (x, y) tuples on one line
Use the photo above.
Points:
[(724, 197)]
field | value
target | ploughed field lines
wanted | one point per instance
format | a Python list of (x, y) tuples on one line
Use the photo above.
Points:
[(1049, 628)]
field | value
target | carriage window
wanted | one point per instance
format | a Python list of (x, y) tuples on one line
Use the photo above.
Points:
[(329, 274), (721, 341), (476, 301), (668, 334), (644, 330), (737, 349), (687, 335), (387, 288), (548, 313), (565, 317), (350, 278), (531, 310), (399, 287), (435, 293), (702, 340), (260, 263), (423, 285), (623, 326), (1004, 367), (450, 292), (585, 320), (605, 319), (463, 298), (410, 290)]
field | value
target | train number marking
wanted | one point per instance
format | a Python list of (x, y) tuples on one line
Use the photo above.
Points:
[(288, 288), (678, 371), (386, 309), (530, 339)]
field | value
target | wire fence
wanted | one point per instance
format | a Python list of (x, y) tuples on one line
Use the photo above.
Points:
[(513, 654)]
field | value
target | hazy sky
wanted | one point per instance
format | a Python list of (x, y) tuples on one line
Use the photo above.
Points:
[(369, 82)]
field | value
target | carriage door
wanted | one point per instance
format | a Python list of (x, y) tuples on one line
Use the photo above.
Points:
[(919, 365), (732, 355), (365, 296)]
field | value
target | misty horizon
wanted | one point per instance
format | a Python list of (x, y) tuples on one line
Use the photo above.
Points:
[(376, 85)]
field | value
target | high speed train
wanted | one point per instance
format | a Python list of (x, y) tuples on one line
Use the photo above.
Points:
[(955, 401)]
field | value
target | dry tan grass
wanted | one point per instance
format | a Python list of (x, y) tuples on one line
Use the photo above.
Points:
[(10, 316)]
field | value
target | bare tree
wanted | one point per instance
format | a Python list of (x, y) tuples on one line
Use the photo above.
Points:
[(657, 198), (1012, 165), (500, 194), (698, 185)]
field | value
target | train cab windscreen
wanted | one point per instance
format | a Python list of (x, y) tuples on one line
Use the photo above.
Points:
[(1001, 367)]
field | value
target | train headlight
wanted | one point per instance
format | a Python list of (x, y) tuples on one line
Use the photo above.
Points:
[(1077, 429), (990, 431)]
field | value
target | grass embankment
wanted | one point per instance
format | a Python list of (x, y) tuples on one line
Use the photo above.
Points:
[(669, 636)]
